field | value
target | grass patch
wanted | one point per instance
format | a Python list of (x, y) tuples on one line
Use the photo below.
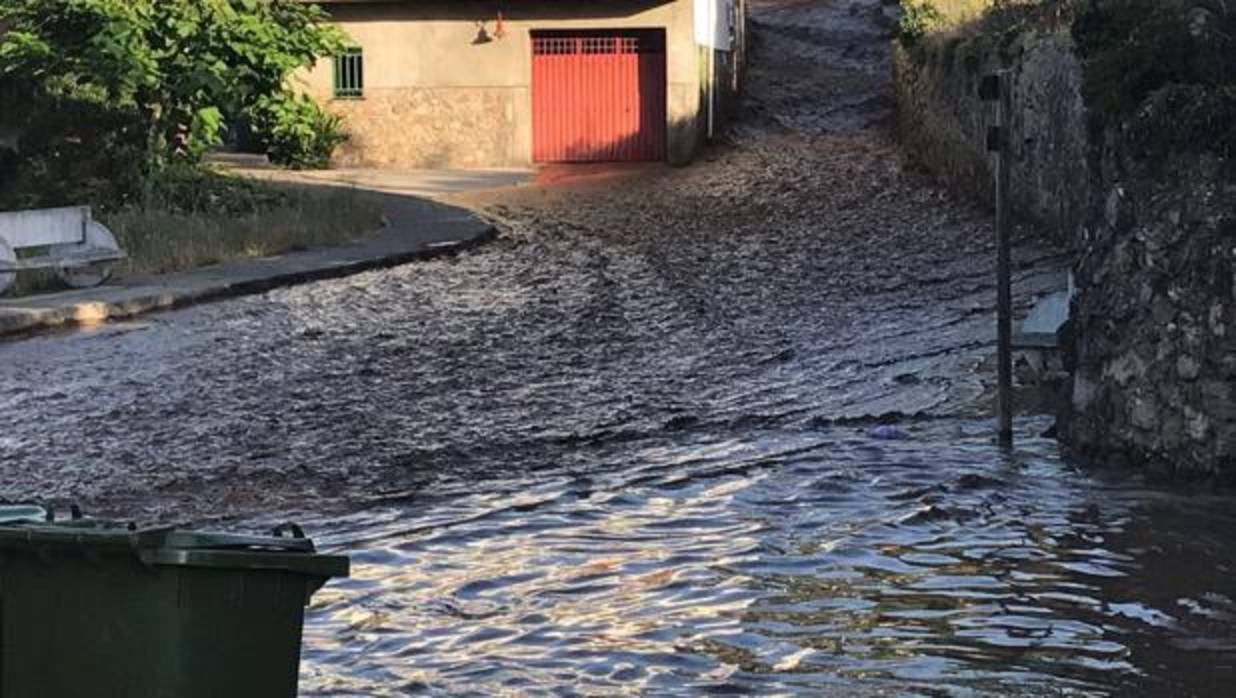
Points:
[(159, 241), (204, 218)]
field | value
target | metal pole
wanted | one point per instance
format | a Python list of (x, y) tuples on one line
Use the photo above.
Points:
[(1004, 292)]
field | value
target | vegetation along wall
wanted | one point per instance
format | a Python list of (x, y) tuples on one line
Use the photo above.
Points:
[(1123, 143)]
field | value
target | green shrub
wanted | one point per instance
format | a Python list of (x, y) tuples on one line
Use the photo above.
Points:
[(188, 190), (108, 94), (1132, 48), (1166, 68), (1187, 118), (1163, 69), (918, 19), (76, 151), (974, 30), (296, 132)]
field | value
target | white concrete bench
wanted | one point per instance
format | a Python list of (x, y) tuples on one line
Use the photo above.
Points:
[(79, 248)]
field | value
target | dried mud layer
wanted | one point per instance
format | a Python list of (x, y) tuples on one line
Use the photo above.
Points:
[(798, 276)]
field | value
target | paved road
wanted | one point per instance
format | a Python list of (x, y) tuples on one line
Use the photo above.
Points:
[(428, 184)]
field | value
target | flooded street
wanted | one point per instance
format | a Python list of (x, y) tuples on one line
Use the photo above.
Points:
[(787, 562), (627, 448)]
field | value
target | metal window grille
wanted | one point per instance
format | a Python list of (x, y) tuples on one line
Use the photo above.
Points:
[(572, 45), (350, 74)]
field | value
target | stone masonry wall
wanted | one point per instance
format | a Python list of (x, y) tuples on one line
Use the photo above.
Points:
[(1155, 377), (1152, 344), (430, 128), (943, 124)]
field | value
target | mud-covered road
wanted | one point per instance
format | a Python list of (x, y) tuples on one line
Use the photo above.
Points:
[(799, 272), (625, 448)]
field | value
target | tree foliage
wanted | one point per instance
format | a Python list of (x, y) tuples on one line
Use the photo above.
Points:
[(295, 131), (1161, 71), (162, 73), (918, 19), (1167, 68), (1136, 47)]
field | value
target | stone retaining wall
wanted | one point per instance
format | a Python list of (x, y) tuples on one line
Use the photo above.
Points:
[(1155, 324), (943, 124), (1152, 345), (432, 128)]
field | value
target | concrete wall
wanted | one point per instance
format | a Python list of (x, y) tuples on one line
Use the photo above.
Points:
[(721, 76), (434, 98), (728, 72)]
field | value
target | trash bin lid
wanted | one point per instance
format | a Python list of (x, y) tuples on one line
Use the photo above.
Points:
[(168, 546), (308, 564)]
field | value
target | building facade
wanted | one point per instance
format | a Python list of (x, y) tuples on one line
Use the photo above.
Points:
[(489, 83)]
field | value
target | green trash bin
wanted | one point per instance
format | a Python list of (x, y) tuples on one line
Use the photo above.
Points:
[(90, 609)]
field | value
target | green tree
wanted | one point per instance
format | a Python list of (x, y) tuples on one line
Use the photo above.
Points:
[(171, 69)]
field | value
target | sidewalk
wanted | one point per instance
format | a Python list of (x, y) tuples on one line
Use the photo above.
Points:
[(417, 229), (429, 184)]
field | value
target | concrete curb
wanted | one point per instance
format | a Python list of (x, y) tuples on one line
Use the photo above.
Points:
[(28, 315)]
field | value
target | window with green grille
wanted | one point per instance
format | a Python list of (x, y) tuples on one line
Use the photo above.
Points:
[(350, 73)]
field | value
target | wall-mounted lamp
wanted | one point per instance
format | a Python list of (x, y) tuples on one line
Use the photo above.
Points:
[(482, 34)]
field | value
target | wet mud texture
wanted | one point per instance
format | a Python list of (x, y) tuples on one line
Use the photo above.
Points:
[(799, 273), (627, 448)]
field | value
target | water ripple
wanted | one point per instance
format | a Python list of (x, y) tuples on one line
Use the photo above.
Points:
[(772, 579)]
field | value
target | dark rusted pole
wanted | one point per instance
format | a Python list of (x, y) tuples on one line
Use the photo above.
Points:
[(1004, 291), (998, 88)]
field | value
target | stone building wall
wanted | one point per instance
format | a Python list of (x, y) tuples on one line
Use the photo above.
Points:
[(1152, 343), (431, 127)]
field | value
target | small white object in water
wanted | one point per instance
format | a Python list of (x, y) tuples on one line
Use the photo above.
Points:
[(887, 431)]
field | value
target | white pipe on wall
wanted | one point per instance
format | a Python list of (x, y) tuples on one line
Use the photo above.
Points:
[(712, 87), (712, 66)]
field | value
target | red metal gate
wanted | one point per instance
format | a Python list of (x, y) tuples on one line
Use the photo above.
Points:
[(598, 96)]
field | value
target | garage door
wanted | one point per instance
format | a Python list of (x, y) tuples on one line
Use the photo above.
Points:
[(598, 96)]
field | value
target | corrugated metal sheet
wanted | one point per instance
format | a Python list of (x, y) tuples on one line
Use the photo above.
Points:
[(598, 96)]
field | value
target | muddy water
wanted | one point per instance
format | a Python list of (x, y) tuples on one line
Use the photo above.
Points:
[(555, 476), (627, 448), (787, 561)]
